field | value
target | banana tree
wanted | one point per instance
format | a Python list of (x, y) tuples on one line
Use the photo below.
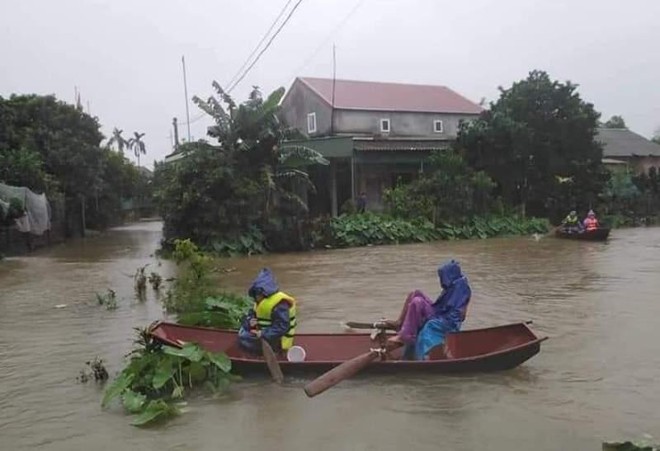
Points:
[(254, 135)]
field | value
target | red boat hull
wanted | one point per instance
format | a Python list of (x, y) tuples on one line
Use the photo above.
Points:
[(479, 350), (600, 234)]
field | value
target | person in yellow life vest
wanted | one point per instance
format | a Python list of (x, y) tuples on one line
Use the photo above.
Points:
[(590, 222), (571, 223), (272, 318)]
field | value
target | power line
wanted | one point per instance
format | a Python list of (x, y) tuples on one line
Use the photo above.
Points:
[(193, 120), (270, 41), (263, 38), (328, 37)]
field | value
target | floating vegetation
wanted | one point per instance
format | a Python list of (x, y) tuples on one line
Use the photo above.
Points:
[(109, 299), (155, 280), (94, 369), (157, 377), (646, 444), (140, 282)]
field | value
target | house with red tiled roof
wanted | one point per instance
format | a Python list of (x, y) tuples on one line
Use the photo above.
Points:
[(374, 133)]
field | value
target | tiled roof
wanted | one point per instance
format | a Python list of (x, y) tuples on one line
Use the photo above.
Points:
[(379, 96), (621, 142)]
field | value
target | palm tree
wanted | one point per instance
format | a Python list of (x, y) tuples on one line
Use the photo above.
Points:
[(118, 140), (137, 145)]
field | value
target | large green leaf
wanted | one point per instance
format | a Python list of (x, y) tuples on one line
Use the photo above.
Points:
[(220, 360), (155, 410), (163, 374), (133, 402), (118, 387), (189, 351), (197, 371), (273, 100), (299, 156)]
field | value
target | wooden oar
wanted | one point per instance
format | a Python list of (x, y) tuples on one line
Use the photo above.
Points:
[(271, 361), (554, 230), (340, 373), (376, 325)]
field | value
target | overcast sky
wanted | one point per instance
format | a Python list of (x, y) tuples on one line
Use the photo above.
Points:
[(125, 56)]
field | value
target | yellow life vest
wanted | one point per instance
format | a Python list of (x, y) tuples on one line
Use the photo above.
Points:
[(264, 312)]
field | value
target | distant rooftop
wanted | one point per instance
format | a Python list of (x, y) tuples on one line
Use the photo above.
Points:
[(380, 96), (621, 142)]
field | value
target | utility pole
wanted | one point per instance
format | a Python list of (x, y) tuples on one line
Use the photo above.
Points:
[(185, 90), (176, 134), (334, 79)]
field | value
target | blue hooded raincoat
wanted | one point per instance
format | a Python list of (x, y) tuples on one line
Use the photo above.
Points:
[(448, 310), (266, 285)]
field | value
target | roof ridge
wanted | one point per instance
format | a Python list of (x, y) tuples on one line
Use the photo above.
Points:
[(425, 85)]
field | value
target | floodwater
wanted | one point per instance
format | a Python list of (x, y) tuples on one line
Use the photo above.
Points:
[(595, 379)]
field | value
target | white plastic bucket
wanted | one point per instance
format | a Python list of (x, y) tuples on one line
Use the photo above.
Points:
[(296, 354)]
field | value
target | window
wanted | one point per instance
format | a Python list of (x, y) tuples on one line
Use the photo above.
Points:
[(437, 126), (385, 125), (311, 123)]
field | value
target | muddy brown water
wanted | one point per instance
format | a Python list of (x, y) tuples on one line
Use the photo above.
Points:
[(596, 378)]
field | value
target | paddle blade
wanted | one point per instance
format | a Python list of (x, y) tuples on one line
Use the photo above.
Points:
[(358, 325), (271, 362), (339, 373)]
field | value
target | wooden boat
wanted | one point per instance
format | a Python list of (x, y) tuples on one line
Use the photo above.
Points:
[(600, 234), (479, 350)]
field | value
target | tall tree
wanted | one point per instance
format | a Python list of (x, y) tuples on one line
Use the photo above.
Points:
[(53, 147), (537, 134), (615, 122), (118, 140), (67, 140), (137, 145), (250, 179), (656, 136), (255, 131)]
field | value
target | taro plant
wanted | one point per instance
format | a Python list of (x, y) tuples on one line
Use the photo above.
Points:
[(370, 228), (486, 227), (223, 311), (157, 377)]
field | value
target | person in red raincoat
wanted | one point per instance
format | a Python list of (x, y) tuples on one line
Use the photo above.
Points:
[(590, 222)]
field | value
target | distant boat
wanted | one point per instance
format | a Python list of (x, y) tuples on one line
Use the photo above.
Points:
[(478, 350), (599, 234)]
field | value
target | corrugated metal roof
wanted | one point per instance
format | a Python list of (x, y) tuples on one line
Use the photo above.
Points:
[(380, 96), (612, 161), (621, 142), (399, 145)]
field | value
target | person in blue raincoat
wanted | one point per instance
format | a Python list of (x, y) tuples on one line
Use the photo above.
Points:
[(423, 324), (273, 316)]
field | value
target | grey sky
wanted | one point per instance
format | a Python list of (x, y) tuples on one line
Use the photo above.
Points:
[(125, 56)]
